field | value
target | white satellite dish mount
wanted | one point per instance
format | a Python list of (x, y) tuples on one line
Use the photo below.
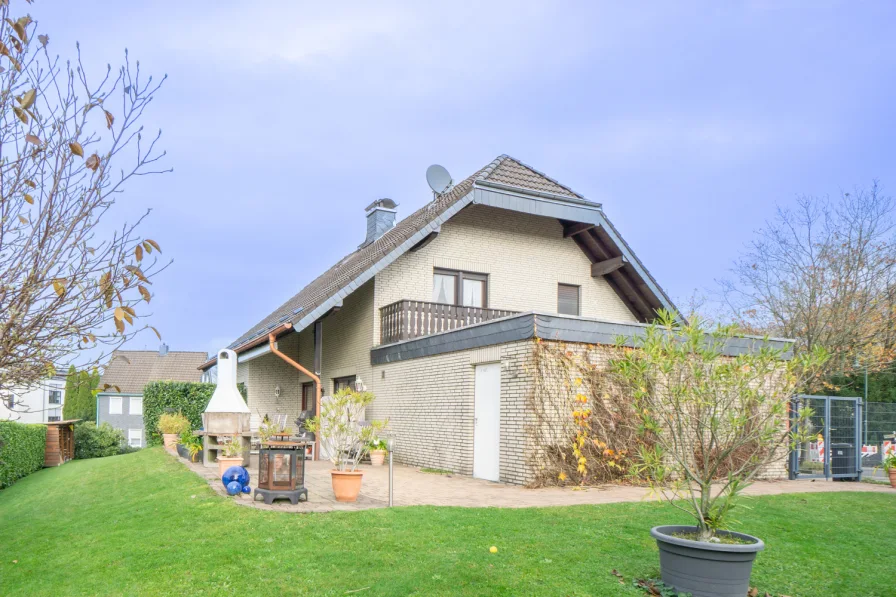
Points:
[(438, 178)]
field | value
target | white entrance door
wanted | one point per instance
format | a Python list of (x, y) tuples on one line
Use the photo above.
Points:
[(487, 422)]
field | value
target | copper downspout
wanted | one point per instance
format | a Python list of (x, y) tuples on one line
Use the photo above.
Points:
[(272, 339)]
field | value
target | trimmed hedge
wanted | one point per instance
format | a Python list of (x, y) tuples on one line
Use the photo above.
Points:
[(21, 450), (98, 441), (187, 398)]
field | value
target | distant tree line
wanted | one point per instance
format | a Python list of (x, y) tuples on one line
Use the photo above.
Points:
[(80, 394)]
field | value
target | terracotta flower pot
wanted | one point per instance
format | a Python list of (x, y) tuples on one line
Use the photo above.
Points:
[(346, 485), (170, 440), (377, 457), (892, 473), (225, 462)]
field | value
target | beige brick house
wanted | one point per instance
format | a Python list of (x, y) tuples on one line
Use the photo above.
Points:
[(436, 315)]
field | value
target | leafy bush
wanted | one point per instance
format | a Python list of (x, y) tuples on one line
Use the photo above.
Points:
[(715, 417), (174, 423), (21, 450), (187, 398), (98, 441)]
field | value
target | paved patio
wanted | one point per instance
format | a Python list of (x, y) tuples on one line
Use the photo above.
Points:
[(416, 488)]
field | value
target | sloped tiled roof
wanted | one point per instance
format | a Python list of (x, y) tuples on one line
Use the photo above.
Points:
[(130, 370), (504, 170), (514, 173)]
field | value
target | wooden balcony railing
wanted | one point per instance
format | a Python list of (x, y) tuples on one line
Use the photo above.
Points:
[(408, 319)]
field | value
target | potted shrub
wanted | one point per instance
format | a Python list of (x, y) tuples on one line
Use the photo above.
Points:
[(171, 425), (377, 449), (345, 439), (230, 453), (712, 419), (190, 446), (889, 465)]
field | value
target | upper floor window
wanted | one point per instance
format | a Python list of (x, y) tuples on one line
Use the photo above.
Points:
[(115, 405), (136, 406), (55, 397), (568, 299), (459, 288)]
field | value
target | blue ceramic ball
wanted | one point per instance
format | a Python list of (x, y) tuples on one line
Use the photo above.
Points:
[(247, 489), (235, 473), (234, 487)]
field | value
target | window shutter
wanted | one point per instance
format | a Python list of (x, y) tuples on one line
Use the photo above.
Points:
[(567, 299)]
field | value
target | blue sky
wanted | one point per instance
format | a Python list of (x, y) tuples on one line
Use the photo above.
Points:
[(688, 121)]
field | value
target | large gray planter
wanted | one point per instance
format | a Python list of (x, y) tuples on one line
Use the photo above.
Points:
[(705, 569)]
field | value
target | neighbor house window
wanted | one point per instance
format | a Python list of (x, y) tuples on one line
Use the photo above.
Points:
[(136, 406), (459, 288), (568, 299), (340, 383), (115, 405), (55, 397), (135, 438), (54, 415), (308, 401)]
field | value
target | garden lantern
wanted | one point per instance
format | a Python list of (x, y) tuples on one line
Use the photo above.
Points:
[(281, 471)]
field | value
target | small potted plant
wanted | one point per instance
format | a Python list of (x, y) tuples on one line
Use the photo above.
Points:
[(230, 453), (714, 422), (377, 449), (345, 439), (171, 425), (889, 465), (273, 427)]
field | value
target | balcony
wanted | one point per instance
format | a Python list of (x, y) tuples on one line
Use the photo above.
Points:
[(406, 319)]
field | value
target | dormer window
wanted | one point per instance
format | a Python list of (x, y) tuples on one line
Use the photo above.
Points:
[(466, 289)]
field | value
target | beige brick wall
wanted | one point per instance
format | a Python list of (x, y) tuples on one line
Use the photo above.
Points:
[(429, 403), (347, 340), (263, 374), (524, 255)]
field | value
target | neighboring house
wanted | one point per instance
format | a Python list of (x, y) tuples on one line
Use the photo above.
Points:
[(40, 404), (128, 371), (437, 316)]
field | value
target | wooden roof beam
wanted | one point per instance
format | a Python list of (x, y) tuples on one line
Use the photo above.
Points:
[(602, 268), (574, 229), (618, 279)]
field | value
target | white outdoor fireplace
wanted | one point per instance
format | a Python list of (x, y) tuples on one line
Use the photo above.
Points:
[(227, 414)]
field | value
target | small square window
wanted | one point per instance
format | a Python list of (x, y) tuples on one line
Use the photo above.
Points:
[(135, 438), (115, 405), (136, 406), (55, 397), (568, 299)]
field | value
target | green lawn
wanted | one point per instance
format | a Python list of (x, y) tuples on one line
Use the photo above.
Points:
[(142, 524)]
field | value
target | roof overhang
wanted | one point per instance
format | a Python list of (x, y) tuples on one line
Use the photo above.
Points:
[(253, 348), (547, 326), (598, 239)]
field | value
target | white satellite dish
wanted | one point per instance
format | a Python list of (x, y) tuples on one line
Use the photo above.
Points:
[(438, 178)]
